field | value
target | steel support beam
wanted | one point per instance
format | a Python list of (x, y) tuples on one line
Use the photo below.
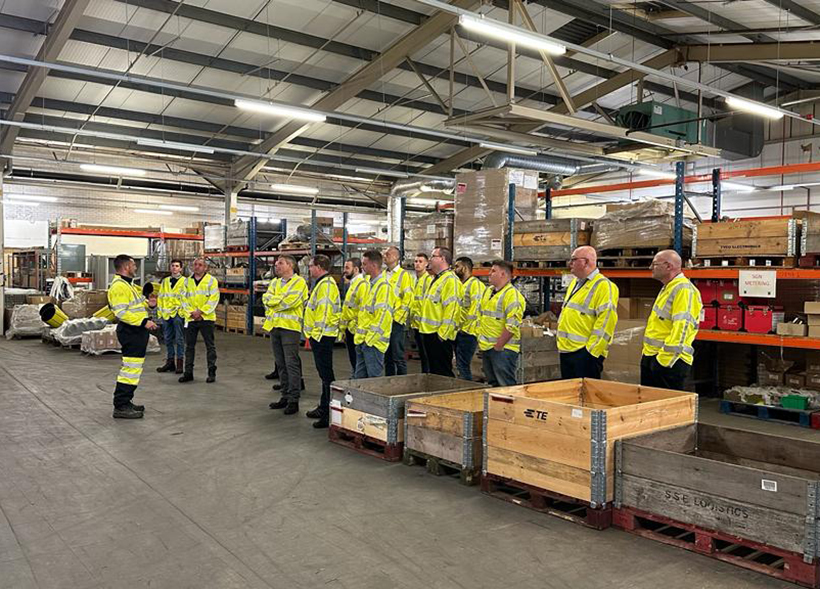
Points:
[(797, 10), (715, 19), (748, 52)]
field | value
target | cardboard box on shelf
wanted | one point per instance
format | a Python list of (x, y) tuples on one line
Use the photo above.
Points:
[(38, 299), (813, 361), (768, 378), (813, 319), (796, 380), (814, 331), (793, 329), (811, 307), (635, 307), (813, 381)]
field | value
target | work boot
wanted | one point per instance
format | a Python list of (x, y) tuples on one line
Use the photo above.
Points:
[(280, 404), (211, 377), (180, 366), (167, 367), (139, 408), (292, 407), (187, 377), (272, 375), (314, 413), (126, 412), (321, 423)]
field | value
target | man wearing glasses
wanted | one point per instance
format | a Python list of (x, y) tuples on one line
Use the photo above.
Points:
[(672, 326), (438, 314), (588, 317)]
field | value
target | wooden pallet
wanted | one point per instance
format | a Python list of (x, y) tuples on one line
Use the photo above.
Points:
[(746, 262), (241, 330), (261, 333), (439, 466), (237, 248), (774, 562), (365, 444), (567, 508), (800, 417)]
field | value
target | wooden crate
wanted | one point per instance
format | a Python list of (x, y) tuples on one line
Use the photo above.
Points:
[(809, 233), (752, 238), (559, 436), (540, 360), (374, 407), (551, 239), (447, 427), (761, 488)]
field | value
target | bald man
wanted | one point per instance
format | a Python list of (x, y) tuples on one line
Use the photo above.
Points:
[(588, 317), (672, 326)]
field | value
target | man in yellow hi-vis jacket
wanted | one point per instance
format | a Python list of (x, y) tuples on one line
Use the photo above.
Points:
[(672, 326), (375, 319), (472, 290), (423, 280), (439, 313), (169, 309), (199, 309), (129, 306), (499, 333), (356, 289), (284, 310), (588, 317), (402, 283), (322, 314)]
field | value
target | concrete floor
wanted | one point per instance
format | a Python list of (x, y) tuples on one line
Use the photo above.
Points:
[(212, 489)]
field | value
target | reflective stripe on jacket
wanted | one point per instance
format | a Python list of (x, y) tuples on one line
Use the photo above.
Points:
[(440, 306), (375, 322), (323, 310), (589, 316), (673, 323), (126, 302), (419, 290), (285, 303), (501, 310), (472, 291), (203, 297), (356, 291), (402, 282)]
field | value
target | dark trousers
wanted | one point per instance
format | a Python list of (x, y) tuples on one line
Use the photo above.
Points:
[(439, 354), (465, 348), (350, 344), (425, 365), (286, 350), (655, 375), (206, 328), (134, 342), (500, 367), (323, 358), (580, 364), (174, 331), (394, 361)]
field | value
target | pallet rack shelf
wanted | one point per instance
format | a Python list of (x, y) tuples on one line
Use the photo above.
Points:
[(759, 339)]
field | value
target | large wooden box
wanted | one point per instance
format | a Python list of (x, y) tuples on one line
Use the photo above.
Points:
[(447, 427), (559, 436), (549, 240), (763, 237), (540, 360), (809, 233), (758, 487), (374, 407)]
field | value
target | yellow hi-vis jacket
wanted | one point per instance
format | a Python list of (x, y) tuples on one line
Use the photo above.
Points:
[(354, 297), (419, 290), (285, 303), (170, 298), (673, 323), (126, 302), (440, 306), (375, 321), (472, 291), (589, 316), (402, 282), (203, 297), (323, 310), (500, 310)]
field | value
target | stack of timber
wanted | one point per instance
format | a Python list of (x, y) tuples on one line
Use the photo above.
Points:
[(762, 242), (368, 414), (550, 240), (550, 446), (746, 498), (443, 432)]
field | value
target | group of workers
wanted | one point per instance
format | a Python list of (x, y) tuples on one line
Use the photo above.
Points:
[(450, 313)]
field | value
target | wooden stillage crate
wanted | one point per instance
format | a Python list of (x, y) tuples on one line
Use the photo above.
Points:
[(550, 239), (539, 361), (748, 239), (809, 238), (747, 498), (368, 414), (555, 440), (444, 432)]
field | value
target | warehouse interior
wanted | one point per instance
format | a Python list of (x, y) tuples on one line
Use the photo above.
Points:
[(242, 132)]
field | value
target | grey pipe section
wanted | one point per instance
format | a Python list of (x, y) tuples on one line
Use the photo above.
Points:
[(559, 166), (412, 186)]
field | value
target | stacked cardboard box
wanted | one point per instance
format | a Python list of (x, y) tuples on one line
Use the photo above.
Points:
[(427, 232), (184, 249), (480, 226), (647, 224), (85, 303), (635, 307), (214, 238), (623, 363), (237, 316), (812, 310)]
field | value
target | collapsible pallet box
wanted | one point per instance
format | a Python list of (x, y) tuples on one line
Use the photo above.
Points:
[(559, 436), (752, 238), (539, 361), (726, 485), (374, 407), (549, 240)]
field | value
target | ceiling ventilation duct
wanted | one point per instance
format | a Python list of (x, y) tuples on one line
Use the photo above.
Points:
[(558, 166), (415, 186)]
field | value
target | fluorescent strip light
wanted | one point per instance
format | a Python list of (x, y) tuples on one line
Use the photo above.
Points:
[(509, 34), (737, 187), (754, 108), (174, 145), (119, 171), (382, 172), (786, 187), (20, 203), (509, 148), (279, 110), (179, 208), (295, 189), (425, 201), (657, 174), (153, 212), (34, 198)]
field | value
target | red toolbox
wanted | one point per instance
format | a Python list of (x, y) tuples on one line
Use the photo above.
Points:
[(729, 318), (709, 320), (762, 318), (708, 291), (727, 292)]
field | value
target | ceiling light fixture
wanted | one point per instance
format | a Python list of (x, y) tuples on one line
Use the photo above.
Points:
[(119, 171), (279, 110), (754, 107), (509, 34), (382, 172), (20, 203), (35, 198), (295, 189), (426, 201), (174, 145), (786, 187), (507, 148), (179, 208), (153, 212), (652, 173)]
